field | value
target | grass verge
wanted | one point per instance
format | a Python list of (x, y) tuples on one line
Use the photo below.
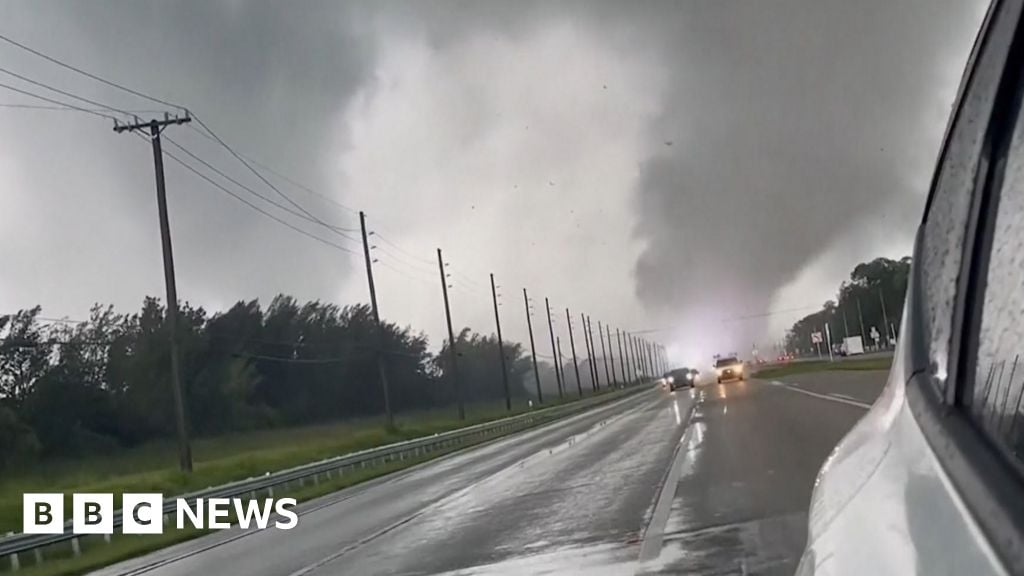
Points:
[(218, 460), (883, 363), (96, 553)]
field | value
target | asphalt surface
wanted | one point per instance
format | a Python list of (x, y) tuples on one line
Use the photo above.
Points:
[(747, 467), (715, 480)]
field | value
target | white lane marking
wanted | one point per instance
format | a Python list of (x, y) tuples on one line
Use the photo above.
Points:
[(830, 397), (838, 395), (650, 547), (511, 469)]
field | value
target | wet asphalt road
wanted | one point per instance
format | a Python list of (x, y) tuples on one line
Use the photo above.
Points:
[(750, 459), (577, 497)]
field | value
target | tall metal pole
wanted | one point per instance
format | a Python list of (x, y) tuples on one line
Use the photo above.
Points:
[(381, 369), (885, 317), (451, 338), (611, 352), (637, 366), (558, 367), (636, 357), (533, 348), (586, 346), (593, 348), (622, 358), (630, 367), (588, 337), (846, 327), (650, 357), (572, 344), (501, 347), (645, 351), (180, 414), (604, 354), (860, 316)]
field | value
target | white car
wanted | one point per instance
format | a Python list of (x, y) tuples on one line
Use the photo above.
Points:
[(931, 480)]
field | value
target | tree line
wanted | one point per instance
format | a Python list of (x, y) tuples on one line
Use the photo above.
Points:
[(85, 387), (871, 298)]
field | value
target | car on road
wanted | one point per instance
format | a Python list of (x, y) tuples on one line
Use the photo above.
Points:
[(681, 378), (938, 460), (729, 368)]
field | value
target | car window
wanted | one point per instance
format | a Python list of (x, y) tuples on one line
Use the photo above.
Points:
[(998, 391), (727, 362), (941, 244)]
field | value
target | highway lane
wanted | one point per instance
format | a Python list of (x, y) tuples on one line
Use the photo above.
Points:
[(746, 470), (599, 470), (580, 509), (861, 385), (723, 492)]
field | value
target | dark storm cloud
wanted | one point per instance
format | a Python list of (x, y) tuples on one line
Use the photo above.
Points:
[(734, 141), (265, 76), (794, 125)]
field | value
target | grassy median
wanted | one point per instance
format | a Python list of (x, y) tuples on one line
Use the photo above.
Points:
[(879, 363), (153, 467), (219, 460)]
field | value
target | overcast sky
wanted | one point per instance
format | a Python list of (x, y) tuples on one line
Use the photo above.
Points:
[(656, 165)]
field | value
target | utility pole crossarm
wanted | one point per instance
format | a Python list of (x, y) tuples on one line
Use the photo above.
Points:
[(150, 124)]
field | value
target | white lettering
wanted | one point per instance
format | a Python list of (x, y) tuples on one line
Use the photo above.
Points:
[(92, 513), (284, 508), (217, 508), (246, 512), (42, 513), (196, 516), (142, 514)]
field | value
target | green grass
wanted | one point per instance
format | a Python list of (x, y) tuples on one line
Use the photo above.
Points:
[(882, 363), (218, 460), (153, 467), (96, 553)]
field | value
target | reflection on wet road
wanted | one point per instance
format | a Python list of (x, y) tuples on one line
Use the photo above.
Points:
[(580, 507), (715, 480), (749, 460)]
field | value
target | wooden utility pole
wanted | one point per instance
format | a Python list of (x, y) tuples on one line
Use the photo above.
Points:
[(533, 348), (451, 337), (572, 344), (558, 356), (501, 347), (381, 368), (155, 127)]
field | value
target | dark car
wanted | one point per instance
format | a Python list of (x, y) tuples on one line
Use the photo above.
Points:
[(729, 368), (681, 378)]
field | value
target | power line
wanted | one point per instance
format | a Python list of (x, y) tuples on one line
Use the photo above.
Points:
[(58, 102), (89, 74), (63, 92), (152, 99), (403, 273), (287, 179), (216, 184), (257, 194), (256, 172), (400, 249), (68, 108), (412, 264)]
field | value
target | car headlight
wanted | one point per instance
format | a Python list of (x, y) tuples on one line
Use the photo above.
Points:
[(689, 376), (671, 380)]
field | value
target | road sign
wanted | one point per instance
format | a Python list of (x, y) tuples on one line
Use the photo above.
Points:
[(816, 337)]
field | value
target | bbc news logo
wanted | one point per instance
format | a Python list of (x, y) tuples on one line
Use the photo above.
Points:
[(143, 513)]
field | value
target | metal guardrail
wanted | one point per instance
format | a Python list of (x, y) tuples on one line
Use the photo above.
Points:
[(14, 545)]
